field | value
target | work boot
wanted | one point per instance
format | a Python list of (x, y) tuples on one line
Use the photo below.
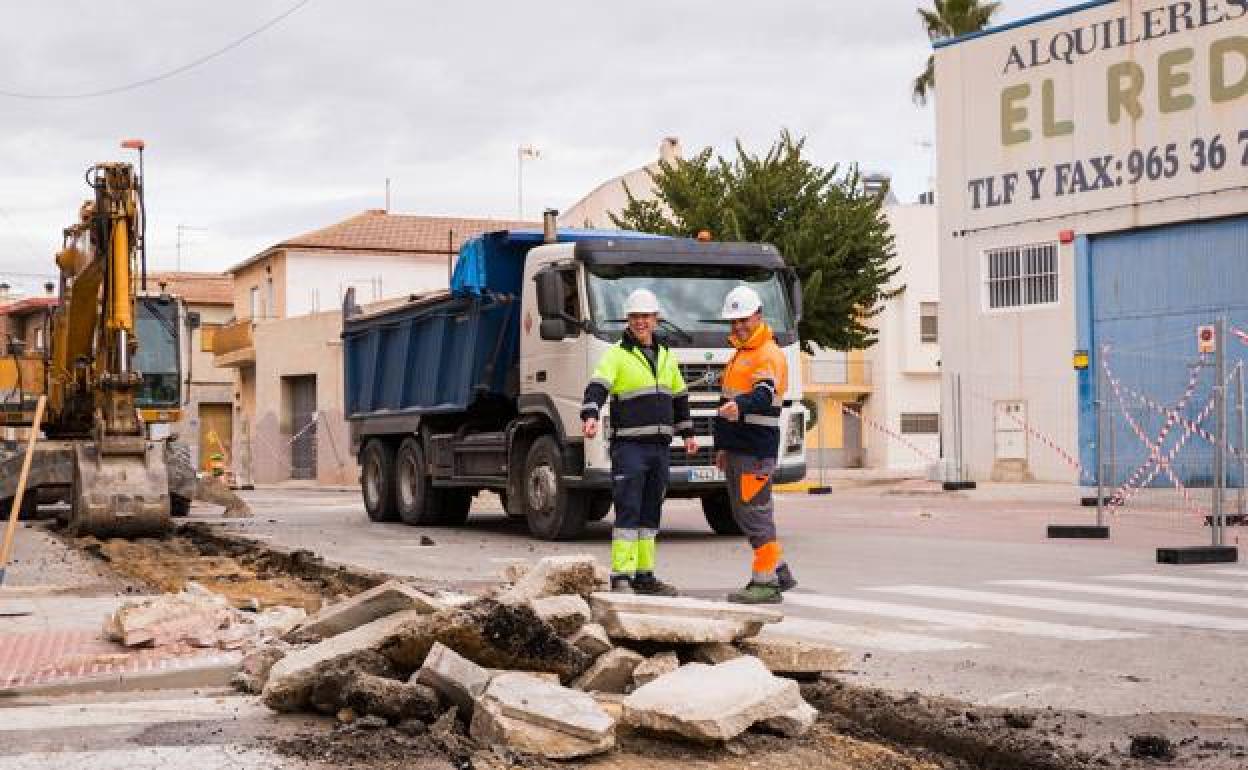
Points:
[(784, 576), (646, 583), (621, 584), (758, 593)]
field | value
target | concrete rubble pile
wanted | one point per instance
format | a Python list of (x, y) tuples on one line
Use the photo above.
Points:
[(548, 664)]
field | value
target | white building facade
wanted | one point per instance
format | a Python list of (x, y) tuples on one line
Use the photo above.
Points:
[(1093, 184)]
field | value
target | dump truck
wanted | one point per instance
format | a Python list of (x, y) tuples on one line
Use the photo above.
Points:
[(480, 387)]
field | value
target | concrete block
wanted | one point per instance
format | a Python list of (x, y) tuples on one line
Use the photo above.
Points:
[(553, 576), (195, 615), (530, 715), (611, 672), (377, 602), (794, 647), (677, 620), (712, 703), (654, 667), (567, 613), (454, 677), (714, 652), (293, 679), (592, 640), (793, 723)]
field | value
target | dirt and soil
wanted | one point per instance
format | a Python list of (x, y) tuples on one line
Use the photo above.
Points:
[(858, 728)]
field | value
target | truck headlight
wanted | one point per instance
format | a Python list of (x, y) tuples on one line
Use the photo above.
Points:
[(796, 435)]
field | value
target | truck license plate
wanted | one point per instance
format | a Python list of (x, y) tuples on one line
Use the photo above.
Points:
[(706, 474)]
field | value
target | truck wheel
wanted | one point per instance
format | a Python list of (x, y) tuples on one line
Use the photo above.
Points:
[(377, 481), (554, 511), (413, 494), (599, 507), (718, 512)]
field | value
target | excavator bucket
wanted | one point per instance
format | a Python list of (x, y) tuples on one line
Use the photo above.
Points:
[(120, 493)]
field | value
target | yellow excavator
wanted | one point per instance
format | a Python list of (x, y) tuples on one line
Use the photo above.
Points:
[(110, 374)]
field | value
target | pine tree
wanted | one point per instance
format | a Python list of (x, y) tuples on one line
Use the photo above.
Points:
[(827, 226)]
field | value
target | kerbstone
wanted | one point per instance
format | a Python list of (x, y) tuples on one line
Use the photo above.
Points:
[(611, 672), (377, 602), (712, 703)]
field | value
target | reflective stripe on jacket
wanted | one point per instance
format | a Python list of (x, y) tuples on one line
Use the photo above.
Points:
[(648, 403), (757, 378)]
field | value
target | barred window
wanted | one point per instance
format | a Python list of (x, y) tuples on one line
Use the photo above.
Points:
[(929, 322), (920, 422), (1021, 275)]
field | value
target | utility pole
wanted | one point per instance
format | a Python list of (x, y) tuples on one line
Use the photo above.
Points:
[(525, 151)]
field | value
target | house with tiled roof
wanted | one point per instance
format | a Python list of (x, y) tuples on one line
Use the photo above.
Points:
[(284, 342)]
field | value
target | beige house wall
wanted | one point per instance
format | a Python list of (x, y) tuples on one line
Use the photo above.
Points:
[(256, 275), (207, 383)]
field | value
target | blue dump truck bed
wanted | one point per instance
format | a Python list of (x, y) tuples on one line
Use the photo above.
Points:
[(439, 354)]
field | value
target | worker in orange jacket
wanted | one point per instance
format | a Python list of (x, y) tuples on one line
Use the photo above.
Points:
[(747, 441)]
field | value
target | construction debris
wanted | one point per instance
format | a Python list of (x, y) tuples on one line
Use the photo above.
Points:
[(378, 602), (712, 703), (592, 640), (612, 672), (567, 614), (677, 620), (196, 617), (555, 576), (455, 678), (793, 647), (534, 716), (654, 667)]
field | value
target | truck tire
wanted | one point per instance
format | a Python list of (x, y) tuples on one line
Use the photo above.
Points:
[(419, 502), (718, 512), (555, 512), (377, 481), (599, 507)]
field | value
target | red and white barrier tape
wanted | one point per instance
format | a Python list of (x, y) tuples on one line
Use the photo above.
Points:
[(1121, 495), (891, 434), (1045, 439)]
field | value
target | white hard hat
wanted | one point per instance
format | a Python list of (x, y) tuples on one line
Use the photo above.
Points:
[(741, 302), (641, 301)]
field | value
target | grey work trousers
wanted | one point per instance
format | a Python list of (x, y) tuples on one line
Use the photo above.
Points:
[(756, 516)]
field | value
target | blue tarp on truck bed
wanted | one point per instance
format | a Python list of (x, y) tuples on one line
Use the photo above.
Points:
[(440, 354)]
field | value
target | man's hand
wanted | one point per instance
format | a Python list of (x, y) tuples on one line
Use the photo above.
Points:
[(691, 446), (721, 460), (590, 427), (730, 411)]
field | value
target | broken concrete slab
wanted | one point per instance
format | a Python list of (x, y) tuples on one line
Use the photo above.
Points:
[(390, 699), (553, 576), (454, 677), (528, 714), (793, 723), (654, 667), (255, 668), (677, 620), (377, 602), (514, 571), (195, 615), (490, 634), (592, 640), (566, 613), (293, 679), (611, 672), (712, 703), (791, 647), (713, 652)]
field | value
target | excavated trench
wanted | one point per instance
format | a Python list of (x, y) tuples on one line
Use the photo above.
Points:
[(859, 728)]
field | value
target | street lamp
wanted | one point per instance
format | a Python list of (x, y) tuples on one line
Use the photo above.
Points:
[(525, 151)]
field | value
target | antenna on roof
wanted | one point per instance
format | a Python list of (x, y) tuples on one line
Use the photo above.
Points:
[(387, 195)]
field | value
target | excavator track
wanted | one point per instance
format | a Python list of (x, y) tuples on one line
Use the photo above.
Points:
[(119, 494)]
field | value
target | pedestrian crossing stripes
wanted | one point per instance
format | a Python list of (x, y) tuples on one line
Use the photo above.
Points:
[(868, 638), (1207, 600), (1067, 606), (1189, 582)]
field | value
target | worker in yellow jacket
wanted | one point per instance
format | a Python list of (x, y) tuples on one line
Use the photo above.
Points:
[(747, 441)]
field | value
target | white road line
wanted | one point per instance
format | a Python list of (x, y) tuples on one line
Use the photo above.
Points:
[(1232, 572), (972, 621), (1095, 609), (1233, 602), (220, 757), (870, 638), (131, 713), (1190, 582)]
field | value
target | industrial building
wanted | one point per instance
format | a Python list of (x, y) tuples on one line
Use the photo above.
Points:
[(1093, 179)]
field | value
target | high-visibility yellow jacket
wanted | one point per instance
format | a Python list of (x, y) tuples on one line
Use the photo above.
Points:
[(757, 378), (649, 402)]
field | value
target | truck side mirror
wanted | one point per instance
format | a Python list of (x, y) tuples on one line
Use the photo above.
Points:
[(795, 294), (553, 329), (549, 297)]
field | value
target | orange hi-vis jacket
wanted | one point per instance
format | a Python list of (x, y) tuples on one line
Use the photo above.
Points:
[(757, 378)]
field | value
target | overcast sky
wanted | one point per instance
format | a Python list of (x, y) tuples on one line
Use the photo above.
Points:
[(300, 126)]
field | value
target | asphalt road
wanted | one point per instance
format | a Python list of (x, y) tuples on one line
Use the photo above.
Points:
[(948, 594)]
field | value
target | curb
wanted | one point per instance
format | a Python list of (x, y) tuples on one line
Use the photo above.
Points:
[(216, 671)]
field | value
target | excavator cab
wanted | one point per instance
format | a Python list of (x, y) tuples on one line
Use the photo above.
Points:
[(158, 326)]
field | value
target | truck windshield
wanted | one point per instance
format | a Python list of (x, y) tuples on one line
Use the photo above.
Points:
[(690, 296), (156, 326)]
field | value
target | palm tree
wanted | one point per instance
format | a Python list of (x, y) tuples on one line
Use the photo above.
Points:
[(949, 18)]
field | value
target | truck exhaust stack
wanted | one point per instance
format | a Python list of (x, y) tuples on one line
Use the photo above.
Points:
[(550, 230)]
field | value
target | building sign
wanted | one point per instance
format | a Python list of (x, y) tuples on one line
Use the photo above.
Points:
[(1119, 104)]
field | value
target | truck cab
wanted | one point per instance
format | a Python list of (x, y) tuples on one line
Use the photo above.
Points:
[(481, 387)]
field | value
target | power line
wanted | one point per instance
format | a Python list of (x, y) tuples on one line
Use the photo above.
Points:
[(168, 73)]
